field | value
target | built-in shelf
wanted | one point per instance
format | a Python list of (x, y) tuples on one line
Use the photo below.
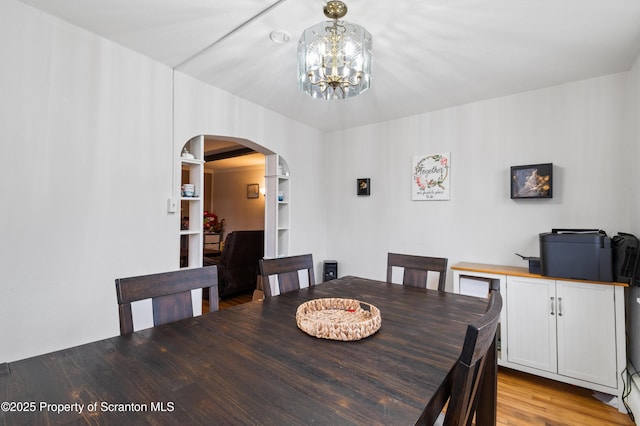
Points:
[(191, 208), (277, 213), (191, 161)]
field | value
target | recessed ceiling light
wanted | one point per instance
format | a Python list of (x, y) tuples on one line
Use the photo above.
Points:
[(280, 36)]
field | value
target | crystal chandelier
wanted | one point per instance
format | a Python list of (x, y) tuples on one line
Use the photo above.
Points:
[(334, 57)]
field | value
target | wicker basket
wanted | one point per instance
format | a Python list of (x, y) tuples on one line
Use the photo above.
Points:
[(338, 319)]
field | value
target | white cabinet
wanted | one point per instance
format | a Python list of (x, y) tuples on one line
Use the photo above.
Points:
[(532, 323), (567, 330), (191, 205), (278, 207), (563, 327), (586, 328)]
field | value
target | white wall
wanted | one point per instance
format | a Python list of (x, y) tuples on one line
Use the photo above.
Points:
[(230, 200), (84, 153), (579, 127), (633, 311), (87, 164), (634, 146)]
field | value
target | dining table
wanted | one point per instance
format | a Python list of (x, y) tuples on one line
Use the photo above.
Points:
[(251, 365)]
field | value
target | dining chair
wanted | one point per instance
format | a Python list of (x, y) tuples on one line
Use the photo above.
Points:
[(170, 293), (462, 388), (417, 268), (286, 269)]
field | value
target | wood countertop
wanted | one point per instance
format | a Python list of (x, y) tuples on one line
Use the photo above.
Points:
[(518, 271)]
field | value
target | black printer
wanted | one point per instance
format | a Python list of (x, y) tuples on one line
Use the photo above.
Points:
[(581, 254)]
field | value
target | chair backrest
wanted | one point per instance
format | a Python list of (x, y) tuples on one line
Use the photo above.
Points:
[(286, 269), (462, 386), (170, 293), (417, 268)]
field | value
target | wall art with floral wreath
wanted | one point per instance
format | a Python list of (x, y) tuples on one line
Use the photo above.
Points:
[(431, 178)]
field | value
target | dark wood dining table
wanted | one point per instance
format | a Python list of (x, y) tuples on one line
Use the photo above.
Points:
[(250, 364)]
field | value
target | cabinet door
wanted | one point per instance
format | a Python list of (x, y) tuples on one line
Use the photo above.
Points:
[(531, 323), (586, 332)]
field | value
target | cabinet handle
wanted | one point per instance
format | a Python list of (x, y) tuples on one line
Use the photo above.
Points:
[(559, 306), (552, 306)]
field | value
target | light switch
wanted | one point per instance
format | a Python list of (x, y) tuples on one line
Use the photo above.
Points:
[(172, 206)]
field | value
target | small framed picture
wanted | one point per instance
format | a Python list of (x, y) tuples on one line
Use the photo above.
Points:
[(532, 181), (364, 186), (253, 190)]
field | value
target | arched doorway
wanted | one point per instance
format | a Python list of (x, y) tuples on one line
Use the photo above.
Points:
[(231, 154)]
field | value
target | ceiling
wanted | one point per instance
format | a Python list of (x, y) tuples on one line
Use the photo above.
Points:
[(428, 54), (215, 146)]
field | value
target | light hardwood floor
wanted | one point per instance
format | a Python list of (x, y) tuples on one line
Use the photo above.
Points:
[(524, 399), (233, 301)]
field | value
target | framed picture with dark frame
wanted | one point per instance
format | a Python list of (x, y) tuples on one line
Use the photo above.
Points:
[(364, 186), (532, 181), (253, 190)]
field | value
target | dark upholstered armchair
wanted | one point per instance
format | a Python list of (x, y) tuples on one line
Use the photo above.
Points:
[(238, 263)]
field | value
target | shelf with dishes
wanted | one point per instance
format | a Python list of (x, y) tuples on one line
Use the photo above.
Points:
[(190, 185)]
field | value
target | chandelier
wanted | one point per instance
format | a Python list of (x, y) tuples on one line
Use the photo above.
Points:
[(334, 57)]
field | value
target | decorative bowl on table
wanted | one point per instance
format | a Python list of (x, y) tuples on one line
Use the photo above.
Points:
[(338, 319)]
